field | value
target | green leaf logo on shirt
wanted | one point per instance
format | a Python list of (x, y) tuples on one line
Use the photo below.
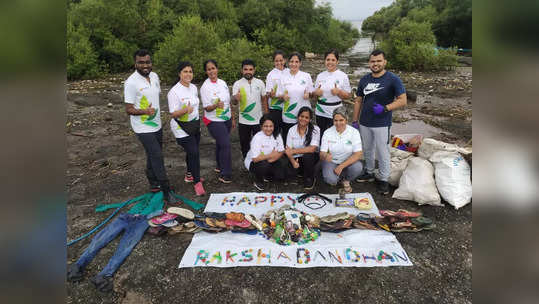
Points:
[(244, 109), (147, 119), (288, 110), (348, 142), (318, 107)]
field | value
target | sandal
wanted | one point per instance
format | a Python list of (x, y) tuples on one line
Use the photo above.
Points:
[(184, 215), (163, 218), (346, 186), (235, 216)]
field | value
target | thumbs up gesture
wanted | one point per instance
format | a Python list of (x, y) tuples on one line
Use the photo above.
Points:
[(335, 90), (318, 91), (306, 94), (149, 110), (189, 108)]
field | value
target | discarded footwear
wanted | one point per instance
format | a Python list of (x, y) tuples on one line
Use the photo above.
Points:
[(365, 177), (103, 284), (157, 231), (383, 187), (346, 186), (163, 218), (235, 216), (170, 224), (225, 179), (184, 215), (74, 273), (308, 184), (216, 215), (199, 189), (259, 187)]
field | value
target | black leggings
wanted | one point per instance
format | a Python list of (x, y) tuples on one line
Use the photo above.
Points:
[(307, 164), (323, 123), (192, 154), (266, 169), (246, 133)]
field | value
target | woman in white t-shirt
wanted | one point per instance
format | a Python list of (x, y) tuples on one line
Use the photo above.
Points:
[(298, 87), (185, 124), (218, 118), (340, 151), (274, 87), (301, 147), (264, 156), (331, 87)]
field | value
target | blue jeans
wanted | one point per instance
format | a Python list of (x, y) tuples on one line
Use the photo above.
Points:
[(134, 226)]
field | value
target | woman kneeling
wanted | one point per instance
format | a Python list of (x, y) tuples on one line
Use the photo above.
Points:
[(340, 151)]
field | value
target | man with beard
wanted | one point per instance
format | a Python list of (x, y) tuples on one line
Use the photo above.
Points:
[(250, 92), (379, 93), (141, 96)]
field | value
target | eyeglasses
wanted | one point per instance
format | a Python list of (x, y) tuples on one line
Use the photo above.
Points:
[(144, 62)]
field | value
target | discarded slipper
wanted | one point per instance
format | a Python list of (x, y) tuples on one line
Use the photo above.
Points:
[(256, 223), (216, 215), (184, 215), (235, 216), (242, 224), (170, 223), (163, 218)]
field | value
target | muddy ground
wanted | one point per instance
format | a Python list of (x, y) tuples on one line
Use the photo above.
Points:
[(106, 165)]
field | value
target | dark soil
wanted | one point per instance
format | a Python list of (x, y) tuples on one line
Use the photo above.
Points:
[(106, 165)]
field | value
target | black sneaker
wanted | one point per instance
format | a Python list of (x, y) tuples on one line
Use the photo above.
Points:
[(74, 273), (268, 179), (259, 187), (308, 184), (383, 187), (225, 180), (103, 284), (365, 177)]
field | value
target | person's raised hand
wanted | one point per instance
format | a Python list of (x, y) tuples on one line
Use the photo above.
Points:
[(335, 90), (306, 94), (189, 108), (318, 91)]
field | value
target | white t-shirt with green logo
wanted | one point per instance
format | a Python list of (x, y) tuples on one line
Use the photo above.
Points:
[(296, 141), (341, 146), (327, 81), (213, 92), (141, 93), (178, 98), (250, 110), (274, 82), (263, 144), (296, 85)]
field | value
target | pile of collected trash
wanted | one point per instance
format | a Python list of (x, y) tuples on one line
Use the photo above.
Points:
[(286, 225), (438, 171)]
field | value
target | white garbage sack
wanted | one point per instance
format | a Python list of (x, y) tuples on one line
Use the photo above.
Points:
[(417, 183), (429, 146), (453, 177), (399, 160)]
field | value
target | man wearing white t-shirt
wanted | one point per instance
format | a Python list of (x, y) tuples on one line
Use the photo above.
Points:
[(250, 92), (141, 96)]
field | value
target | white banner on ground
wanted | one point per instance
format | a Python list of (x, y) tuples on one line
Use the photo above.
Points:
[(350, 248)]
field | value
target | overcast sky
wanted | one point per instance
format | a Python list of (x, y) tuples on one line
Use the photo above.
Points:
[(355, 9)]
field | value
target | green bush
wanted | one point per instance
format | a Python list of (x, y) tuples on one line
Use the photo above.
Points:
[(82, 59), (191, 40), (230, 54), (412, 46), (279, 37)]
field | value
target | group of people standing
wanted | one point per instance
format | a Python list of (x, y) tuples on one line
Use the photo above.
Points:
[(278, 138)]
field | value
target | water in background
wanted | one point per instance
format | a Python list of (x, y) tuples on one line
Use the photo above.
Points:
[(364, 45)]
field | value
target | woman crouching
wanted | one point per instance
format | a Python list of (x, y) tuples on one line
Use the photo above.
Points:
[(263, 158)]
